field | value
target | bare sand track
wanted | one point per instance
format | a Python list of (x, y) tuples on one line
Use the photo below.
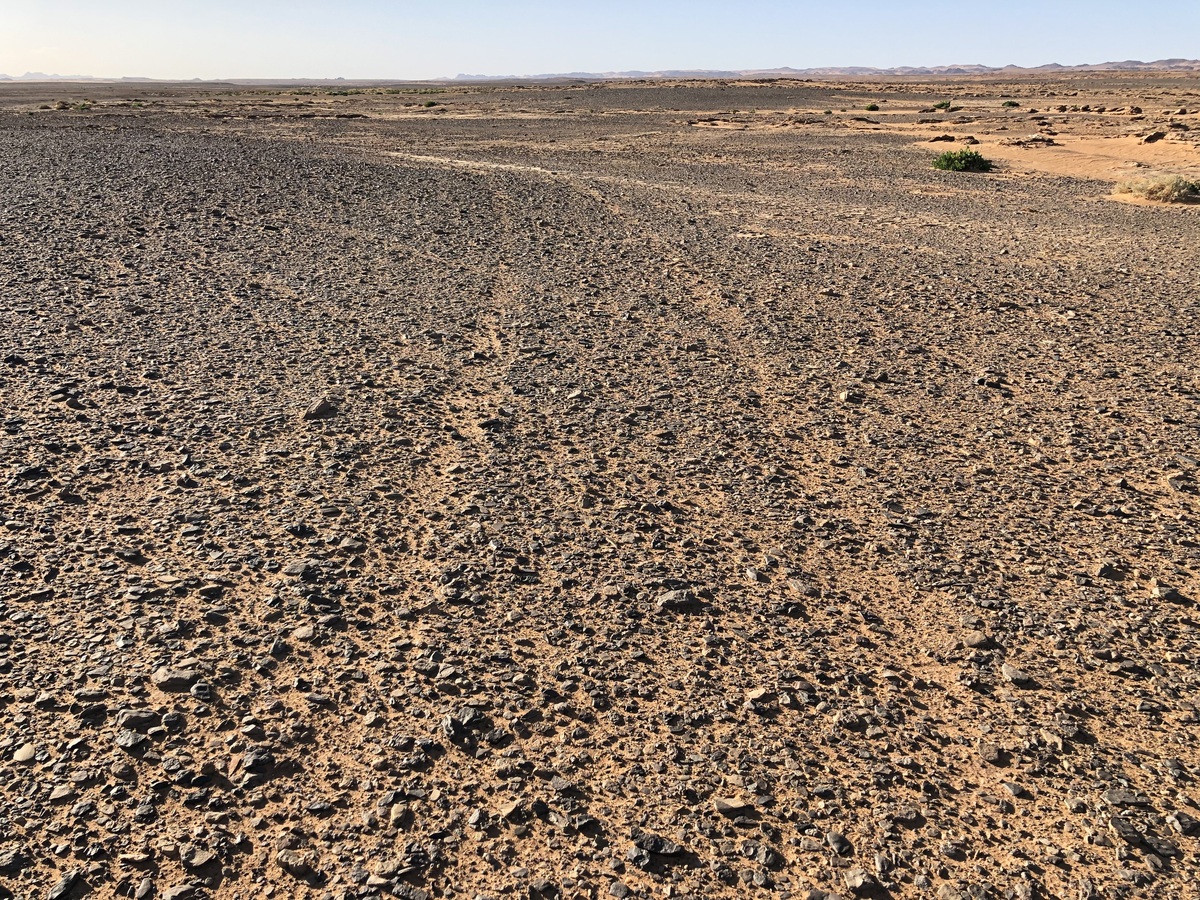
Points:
[(586, 491)]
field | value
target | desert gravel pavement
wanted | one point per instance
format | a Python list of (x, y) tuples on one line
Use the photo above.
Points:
[(592, 491)]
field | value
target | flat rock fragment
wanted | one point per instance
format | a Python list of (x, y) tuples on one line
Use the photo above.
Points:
[(173, 680), (321, 408)]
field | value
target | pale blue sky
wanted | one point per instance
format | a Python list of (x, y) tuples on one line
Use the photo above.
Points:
[(398, 39)]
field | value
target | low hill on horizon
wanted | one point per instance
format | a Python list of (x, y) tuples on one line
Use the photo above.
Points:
[(1131, 65)]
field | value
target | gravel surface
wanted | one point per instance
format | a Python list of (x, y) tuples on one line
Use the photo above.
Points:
[(544, 495)]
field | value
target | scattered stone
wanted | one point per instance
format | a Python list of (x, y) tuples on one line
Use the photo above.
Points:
[(65, 885), (838, 843), (1014, 789), (659, 846), (991, 753), (859, 881), (131, 741), (1125, 830), (1184, 823), (976, 639), (761, 696), (512, 810), (324, 408), (1015, 675), (297, 865), (175, 681), (1119, 797), (731, 807), (141, 720), (197, 858), (678, 600)]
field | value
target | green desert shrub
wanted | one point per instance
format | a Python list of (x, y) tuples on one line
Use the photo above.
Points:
[(1163, 188), (945, 104), (962, 161), (1011, 104), (872, 107)]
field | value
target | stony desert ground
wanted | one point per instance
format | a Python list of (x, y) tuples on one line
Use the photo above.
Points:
[(598, 491)]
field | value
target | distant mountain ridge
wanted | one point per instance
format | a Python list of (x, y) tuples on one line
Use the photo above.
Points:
[(1163, 65), (42, 76), (1129, 65)]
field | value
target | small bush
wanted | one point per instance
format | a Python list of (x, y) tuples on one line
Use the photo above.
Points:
[(1162, 189), (962, 161), (430, 103), (1010, 104), (945, 104), (872, 107)]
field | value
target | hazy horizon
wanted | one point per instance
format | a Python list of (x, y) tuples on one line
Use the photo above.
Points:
[(34, 77), (375, 40)]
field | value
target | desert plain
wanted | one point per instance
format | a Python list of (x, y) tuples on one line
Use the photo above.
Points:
[(599, 490)]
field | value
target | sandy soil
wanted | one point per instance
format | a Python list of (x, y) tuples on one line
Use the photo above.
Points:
[(586, 491)]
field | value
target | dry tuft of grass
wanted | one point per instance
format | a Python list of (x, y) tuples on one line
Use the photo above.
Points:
[(1162, 189)]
